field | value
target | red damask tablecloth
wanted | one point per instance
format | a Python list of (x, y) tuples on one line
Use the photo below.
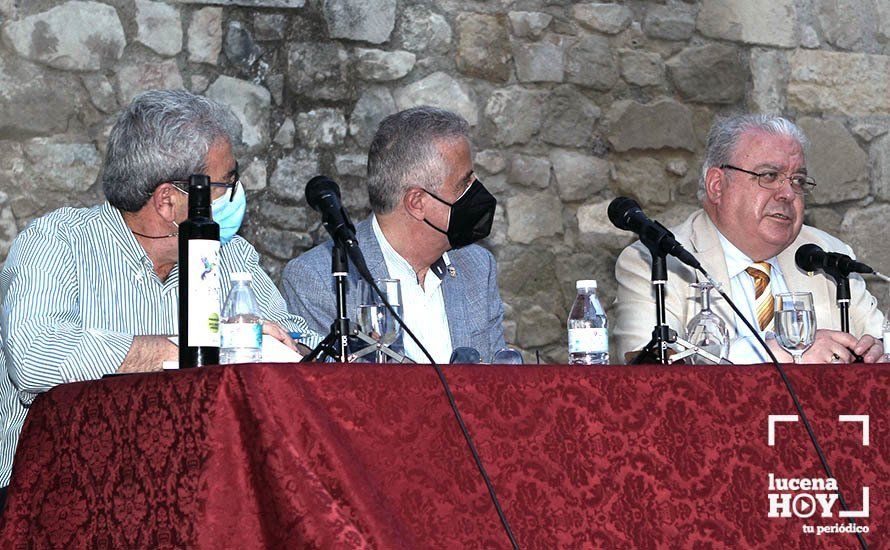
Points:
[(292, 456)]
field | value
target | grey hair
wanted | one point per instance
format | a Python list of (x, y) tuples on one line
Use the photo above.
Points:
[(404, 153), (162, 135), (726, 132)]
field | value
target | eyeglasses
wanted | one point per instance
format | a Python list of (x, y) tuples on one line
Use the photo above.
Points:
[(800, 184), (230, 188)]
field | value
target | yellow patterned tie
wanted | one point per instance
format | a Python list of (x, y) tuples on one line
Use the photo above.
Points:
[(763, 297)]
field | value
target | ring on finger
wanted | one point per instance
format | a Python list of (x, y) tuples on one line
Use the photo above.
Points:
[(835, 358)]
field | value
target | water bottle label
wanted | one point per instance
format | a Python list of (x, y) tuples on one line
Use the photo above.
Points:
[(588, 340), (203, 293), (242, 335), (887, 343)]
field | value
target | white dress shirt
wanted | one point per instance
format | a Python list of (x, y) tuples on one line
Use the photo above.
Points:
[(423, 306), (745, 349)]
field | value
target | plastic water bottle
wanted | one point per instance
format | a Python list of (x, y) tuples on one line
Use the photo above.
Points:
[(241, 327), (588, 328)]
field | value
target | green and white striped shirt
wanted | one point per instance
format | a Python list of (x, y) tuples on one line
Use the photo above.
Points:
[(75, 289)]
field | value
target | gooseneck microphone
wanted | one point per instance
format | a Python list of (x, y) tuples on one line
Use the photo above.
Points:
[(323, 195), (811, 257), (625, 213)]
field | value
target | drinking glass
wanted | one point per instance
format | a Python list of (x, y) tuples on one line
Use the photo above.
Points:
[(373, 316), (795, 321), (507, 356), (707, 330)]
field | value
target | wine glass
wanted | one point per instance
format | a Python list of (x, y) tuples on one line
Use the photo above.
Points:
[(707, 330), (376, 322), (795, 321)]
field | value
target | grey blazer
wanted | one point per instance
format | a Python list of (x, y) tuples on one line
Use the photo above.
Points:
[(472, 299)]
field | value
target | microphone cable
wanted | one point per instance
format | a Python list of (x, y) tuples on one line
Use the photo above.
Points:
[(793, 393), (451, 401)]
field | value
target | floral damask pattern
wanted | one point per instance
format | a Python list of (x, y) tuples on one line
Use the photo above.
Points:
[(371, 457)]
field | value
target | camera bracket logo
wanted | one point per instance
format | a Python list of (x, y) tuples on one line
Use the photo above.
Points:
[(808, 497)]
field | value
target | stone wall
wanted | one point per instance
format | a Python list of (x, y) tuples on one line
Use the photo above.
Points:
[(571, 104)]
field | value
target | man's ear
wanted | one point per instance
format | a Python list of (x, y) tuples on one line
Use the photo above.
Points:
[(413, 201), (715, 184), (163, 201)]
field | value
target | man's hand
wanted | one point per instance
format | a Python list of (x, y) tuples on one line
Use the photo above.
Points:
[(869, 348), (279, 334), (148, 353), (832, 346)]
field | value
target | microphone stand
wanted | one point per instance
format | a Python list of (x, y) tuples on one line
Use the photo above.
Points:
[(842, 280), (657, 348), (336, 344)]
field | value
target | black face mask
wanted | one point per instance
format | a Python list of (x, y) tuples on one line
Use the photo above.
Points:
[(471, 216)]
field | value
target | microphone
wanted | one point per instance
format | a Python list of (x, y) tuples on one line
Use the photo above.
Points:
[(625, 213), (811, 257), (323, 195)]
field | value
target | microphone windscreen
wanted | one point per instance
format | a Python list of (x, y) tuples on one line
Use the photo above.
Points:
[(807, 257), (318, 187), (618, 209)]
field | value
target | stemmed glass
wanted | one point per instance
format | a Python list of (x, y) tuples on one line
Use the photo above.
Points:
[(707, 330), (375, 319), (795, 321)]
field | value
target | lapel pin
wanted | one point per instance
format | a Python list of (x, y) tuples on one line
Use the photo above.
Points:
[(452, 271)]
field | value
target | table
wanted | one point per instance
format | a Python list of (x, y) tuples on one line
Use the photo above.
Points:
[(370, 456)]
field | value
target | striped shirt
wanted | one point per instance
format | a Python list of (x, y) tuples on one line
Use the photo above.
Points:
[(75, 289)]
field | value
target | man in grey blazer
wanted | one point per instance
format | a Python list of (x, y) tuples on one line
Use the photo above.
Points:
[(752, 189), (428, 210)]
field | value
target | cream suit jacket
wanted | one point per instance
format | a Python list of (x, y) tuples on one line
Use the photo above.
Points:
[(634, 316)]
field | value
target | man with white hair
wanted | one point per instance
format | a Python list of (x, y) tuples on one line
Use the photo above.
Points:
[(752, 189), (428, 211), (93, 291)]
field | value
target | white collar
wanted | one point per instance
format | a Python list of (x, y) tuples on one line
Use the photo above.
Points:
[(737, 261), (390, 254)]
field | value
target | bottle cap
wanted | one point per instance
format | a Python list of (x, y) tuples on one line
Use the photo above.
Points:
[(242, 276), (585, 283)]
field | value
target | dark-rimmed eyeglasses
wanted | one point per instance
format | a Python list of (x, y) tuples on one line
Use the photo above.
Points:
[(772, 180), (230, 188)]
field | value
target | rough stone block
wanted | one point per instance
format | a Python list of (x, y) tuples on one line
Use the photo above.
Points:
[(492, 161), (769, 75), (423, 30), (879, 159), (381, 65), (285, 135), (241, 50), (709, 74), (483, 47), (375, 104), (269, 26), (848, 24), (360, 20), (441, 90), (158, 27), (590, 62), (671, 22), (319, 70), (135, 79), (851, 84), (35, 101), (533, 215), (291, 174), (538, 327), (248, 3), (61, 166), (250, 103), (205, 35), (605, 18), (644, 179), (539, 61), (101, 92), (836, 161), (515, 113), (766, 22), (578, 176), (642, 68), (351, 164), (321, 128), (660, 124), (529, 24), (75, 36), (530, 171), (569, 118), (594, 219), (253, 176), (859, 229)]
